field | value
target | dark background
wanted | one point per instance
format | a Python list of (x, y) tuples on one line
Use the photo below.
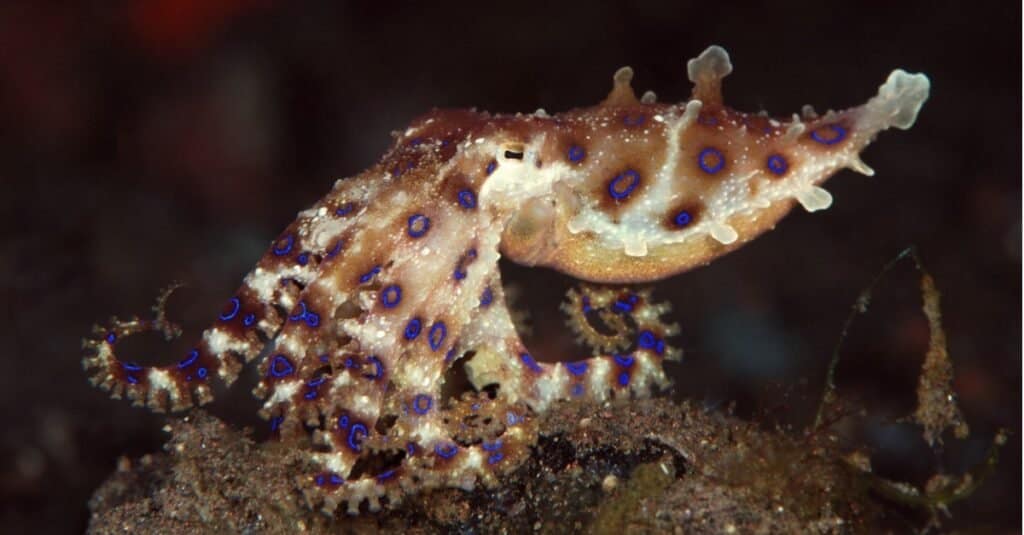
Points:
[(142, 143)]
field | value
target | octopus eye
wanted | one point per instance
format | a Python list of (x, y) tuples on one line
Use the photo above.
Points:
[(514, 151)]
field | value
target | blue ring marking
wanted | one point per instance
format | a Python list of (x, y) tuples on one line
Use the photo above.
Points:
[(475, 407), (201, 373), (365, 277), (529, 362), (301, 315), (343, 421), (623, 306), (711, 169), (438, 332), (586, 304), (659, 348), (302, 259), (418, 225), (345, 209), (275, 423), (410, 449), (349, 362), (624, 360), (576, 153), (491, 167), (333, 252), (324, 358), (446, 451), (189, 360), (132, 379), (313, 383), (281, 250), (356, 429), (495, 457), (313, 319), (486, 297), (707, 119), (624, 378), (311, 395), (839, 134), (413, 328), (422, 403), (467, 199), (236, 304), (577, 368), (613, 186), (633, 119), (131, 366), (249, 319), (280, 366), (378, 368), (384, 476), (448, 356), (493, 446), (111, 337), (647, 340), (320, 479), (577, 389), (682, 219), (512, 418), (777, 165), (391, 296), (336, 479)]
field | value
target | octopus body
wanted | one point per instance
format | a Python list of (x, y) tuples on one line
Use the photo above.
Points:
[(370, 296)]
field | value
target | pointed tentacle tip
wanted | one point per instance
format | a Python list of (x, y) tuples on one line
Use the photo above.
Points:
[(898, 101), (623, 76), (622, 90)]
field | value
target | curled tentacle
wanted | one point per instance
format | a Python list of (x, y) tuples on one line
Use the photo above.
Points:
[(593, 302), (173, 387)]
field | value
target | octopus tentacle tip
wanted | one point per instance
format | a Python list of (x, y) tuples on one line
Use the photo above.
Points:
[(898, 102)]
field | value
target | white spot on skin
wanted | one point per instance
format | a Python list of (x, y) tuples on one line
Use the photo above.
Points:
[(814, 198), (283, 391), (722, 232), (220, 342)]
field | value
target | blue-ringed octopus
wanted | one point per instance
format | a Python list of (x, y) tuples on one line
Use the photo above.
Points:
[(360, 306)]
